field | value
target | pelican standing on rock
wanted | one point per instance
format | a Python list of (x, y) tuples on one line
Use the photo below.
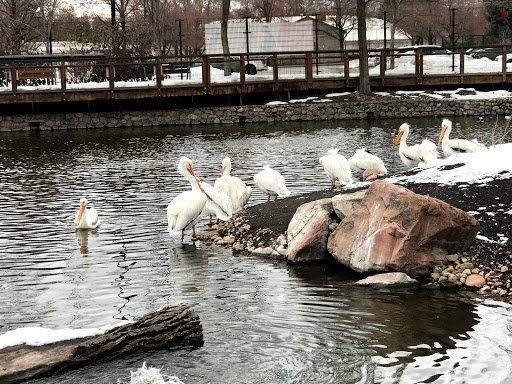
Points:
[(454, 146), (233, 186), (86, 217), (271, 183), (184, 211), (412, 155), (336, 167), (363, 160)]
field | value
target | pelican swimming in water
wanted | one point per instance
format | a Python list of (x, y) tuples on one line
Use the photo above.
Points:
[(184, 211), (233, 186), (454, 146), (219, 203), (271, 183), (412, 155), (86, 217), (336, 167), (363, 160)]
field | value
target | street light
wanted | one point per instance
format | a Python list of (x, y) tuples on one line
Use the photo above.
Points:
[(384, 58), (453, 36)]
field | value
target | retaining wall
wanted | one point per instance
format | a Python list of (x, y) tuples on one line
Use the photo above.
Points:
[(402, 108)]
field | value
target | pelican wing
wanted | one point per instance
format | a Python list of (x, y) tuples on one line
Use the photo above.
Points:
[(338, 166), (220, 203), (92, 217), (361, 161), (185, 210), (428, 151), (236, 189), (459, 145)]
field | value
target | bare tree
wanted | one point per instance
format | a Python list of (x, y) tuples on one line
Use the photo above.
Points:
[(364, 74), (344, 16), (394, 9), (47, 10), (224, 36), (17, 25)]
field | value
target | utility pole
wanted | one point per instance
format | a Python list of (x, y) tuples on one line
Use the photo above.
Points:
[(181, 47), (453, 36), (113, 19), (384, 58), (247, 37), (316, 40)]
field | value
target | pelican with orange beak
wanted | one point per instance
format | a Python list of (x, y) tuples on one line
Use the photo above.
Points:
[(454, 146), (412, 155), (184, 211), (86, 217), (234, 187)]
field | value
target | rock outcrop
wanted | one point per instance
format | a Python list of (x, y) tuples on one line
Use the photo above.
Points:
[(390, 279), (308, 231), (173, 325), (344, 204), (395, 229)]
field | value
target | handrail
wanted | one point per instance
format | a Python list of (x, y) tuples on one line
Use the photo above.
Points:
[(303, 65)]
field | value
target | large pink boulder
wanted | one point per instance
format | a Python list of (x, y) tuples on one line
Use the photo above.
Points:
[(395, 229)]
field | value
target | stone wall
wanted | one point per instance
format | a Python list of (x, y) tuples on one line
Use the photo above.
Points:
[(401, 108)]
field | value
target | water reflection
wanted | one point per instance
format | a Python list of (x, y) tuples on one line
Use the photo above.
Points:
[(263, 320)]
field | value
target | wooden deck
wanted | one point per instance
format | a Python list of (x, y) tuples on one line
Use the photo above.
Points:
[(92, 79)]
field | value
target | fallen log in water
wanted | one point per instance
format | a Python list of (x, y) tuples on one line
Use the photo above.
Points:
[(170, 326)]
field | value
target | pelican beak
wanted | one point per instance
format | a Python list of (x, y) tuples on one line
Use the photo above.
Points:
[(398, 138), (222, 173), (202, 190), (191, 171), (441, 135), (80, 213)]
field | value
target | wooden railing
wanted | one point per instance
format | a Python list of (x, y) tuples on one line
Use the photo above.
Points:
[(88, 78)]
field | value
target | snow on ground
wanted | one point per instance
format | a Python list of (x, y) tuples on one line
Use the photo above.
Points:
[(468, 168), (36, 336)]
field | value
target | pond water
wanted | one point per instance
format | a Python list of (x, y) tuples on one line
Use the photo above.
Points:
[(264, 321)]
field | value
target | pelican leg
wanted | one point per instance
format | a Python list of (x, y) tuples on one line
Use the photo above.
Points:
[(194, 233), (210, 223), (268, 198), (275, 198)]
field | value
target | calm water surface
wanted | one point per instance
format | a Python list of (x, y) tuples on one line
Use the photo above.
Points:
[(263, 321)]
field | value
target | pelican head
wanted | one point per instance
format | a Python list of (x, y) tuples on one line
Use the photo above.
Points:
[(83, 205), (226, 167), (403, 130), (446, 127), (333, 151)]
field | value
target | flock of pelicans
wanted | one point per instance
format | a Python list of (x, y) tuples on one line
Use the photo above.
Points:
[(229, 194)]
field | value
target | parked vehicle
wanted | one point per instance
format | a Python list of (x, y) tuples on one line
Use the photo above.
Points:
[(406, 53), (490, 53), (252, 66)]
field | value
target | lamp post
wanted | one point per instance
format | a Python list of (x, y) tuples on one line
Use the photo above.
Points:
[(384, 58), (452, 10)]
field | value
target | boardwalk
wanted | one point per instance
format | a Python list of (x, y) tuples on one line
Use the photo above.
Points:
[(89, 78)]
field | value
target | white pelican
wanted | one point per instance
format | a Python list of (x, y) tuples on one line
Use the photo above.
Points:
[(184, 211), (219, 203), (336, 166), (413, 155), (363, 160), (86, 217), (233, 186), (453, 146), (271, 183)]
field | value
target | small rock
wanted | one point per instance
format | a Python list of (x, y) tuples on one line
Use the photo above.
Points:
[(475, 271), (435, 275), (504, 269), (466, 266), (475, 281), (388, 279), (450, 269), (452, 258)]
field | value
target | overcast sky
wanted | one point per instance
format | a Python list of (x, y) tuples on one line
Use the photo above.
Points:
[(89, 6)]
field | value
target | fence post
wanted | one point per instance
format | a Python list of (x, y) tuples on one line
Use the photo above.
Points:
[(242, 71), (347, 70), (63, 81), (158, 73), (111, 74), (206, 74), (275, 70), (309, 67), (14, 78)]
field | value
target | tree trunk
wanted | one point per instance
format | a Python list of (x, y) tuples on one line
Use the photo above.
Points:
[(364, 74), (173, 325), (224, 37)]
